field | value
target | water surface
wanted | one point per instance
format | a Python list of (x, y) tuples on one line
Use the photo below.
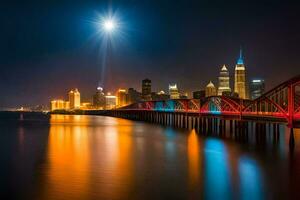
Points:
[(95, 157)]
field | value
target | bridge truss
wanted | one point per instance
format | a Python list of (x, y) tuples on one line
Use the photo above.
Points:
[(280, 103)]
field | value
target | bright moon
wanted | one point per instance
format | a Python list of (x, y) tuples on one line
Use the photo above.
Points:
[(109, 25)]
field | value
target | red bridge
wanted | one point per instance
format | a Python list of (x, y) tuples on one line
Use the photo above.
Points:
[(222, 114), (281, 104)]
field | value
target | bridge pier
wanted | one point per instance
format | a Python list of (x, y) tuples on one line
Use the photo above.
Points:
[(204, 127), (260, 133), (201, 125), (185, 121), (292, 138), (275, 132), (220, 127), (173, 119), (197, 124), (236, 130), (209, 124), (210, 121)]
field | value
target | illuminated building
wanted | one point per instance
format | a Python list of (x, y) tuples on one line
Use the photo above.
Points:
[(257, 88), (230, 94), (133, 96), (110, 101), (86, 106), (160, 96), (99, 99), (240, 78), (199, 94), (59, 105), (121, 98), (146, 89), (210, 90), (173, 91), (183, 96), (67, 105), (224, 84), (161, 92), (74, 99)]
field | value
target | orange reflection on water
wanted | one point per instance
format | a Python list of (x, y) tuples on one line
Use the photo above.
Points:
[(297, 136), (193, 147), (68, 157), (86, 160), (119, 143)]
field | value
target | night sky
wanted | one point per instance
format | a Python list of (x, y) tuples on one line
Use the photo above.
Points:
[(48, 48)]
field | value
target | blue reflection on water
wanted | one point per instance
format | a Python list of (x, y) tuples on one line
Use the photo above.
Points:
[(170, 143), (217, 175), (250, 179)]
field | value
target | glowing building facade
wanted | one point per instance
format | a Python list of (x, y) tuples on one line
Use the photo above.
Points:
[(59, 105), (224, 82), (160, 96), (121, 98), (74, 99), (173, 91), (240, 78), (110, 101), (210, 90)]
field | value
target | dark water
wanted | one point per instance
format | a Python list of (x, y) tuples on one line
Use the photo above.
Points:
[(93, 157)]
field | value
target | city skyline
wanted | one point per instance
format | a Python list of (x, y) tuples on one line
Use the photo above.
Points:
[(242, 89), (188, 93), (62, 55), (146, 99)]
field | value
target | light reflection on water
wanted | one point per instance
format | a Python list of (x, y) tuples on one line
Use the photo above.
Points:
[(217, 172), (251, 182), (93, 157)]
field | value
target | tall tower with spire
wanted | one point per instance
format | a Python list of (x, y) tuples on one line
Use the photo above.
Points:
[(224, 85), (240, 77)]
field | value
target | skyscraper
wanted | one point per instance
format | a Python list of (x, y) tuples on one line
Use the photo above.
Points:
[(224, 84), (74, 99), (146, 89), (257, 88), (173, 91), (240, 78), (133, 95), (99, 99), (210, 90)]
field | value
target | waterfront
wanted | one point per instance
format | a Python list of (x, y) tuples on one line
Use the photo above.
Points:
[(95, 157)]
